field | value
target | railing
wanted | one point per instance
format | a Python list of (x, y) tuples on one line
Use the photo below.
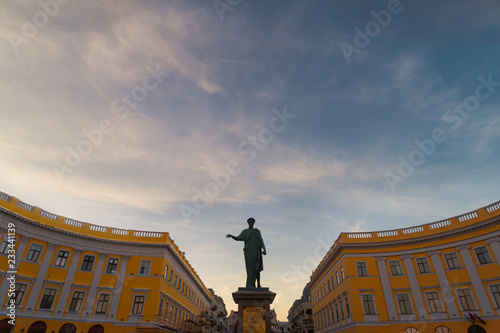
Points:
[(468, 216), (98, 228), (73, 223), (404, 233), (148, 234), (34, 213), (439, 224), (49, 215), (359, 235), (4, 197), (493, 207), (413, 230), (25, 206), (120, 232), (387, 233)]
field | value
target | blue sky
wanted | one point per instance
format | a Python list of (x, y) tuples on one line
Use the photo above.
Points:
[(316, 117)]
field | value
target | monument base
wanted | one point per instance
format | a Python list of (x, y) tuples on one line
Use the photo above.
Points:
[(254, 309)]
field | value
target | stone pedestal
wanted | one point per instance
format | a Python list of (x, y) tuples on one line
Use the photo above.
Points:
[(254, 309)]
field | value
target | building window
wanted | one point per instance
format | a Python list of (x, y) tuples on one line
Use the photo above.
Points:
[(395, 267), (483, 255), (112, 265), (411, 330), (87, 263), (48, 298), (7, 243), (347, 310), (145, 267), (76, 301), (165, 276), (138, 304), (404, 303), (62, 258), (442, 329), (342, 275), (337, 277), (423, 265), (34, 252), (465, 299), (452, 260), (361, 268), (434, 302), (19, 293), (368, 305), (102, 303), (341, 309), (337, 312), (495, 290)]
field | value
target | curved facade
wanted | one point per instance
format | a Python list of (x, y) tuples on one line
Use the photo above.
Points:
[(440, 277), (62, 275)]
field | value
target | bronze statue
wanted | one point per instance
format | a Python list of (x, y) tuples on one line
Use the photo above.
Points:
[(254, 249)]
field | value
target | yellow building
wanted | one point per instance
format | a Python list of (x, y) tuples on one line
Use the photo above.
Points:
[(441, 277), (62, 275)]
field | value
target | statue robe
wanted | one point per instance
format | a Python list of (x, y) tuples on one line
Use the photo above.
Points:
[(253, 253)]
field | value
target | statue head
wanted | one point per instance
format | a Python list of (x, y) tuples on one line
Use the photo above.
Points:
[(251, 222)]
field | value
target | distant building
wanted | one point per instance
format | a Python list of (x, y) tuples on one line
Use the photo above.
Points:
[(283, 327), (232, 322), (300, 317), (79, 277), (440, 277), (274, 321), (218, 314)]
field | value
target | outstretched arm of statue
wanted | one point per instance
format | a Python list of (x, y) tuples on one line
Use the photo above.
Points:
[(263, 249), (229, 236)]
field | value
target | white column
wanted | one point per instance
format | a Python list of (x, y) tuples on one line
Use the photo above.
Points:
[(113, 309), (386, 287), (444, 284), (63, 298), (415, 288), (477, 284), (89, 304), (40, 278), (495, 247)]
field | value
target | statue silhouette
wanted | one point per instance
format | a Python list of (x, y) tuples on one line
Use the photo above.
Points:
[(254, 249)]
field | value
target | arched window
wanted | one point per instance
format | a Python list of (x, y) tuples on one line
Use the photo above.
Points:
[(5, 327), (68, 328), (96, 329), (442, 329), (475, 329), (411, 330), (38, 327)]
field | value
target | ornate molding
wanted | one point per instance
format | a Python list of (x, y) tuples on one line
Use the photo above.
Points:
[(493, 240), (407, 256), (380, 259), (463, 247), (24, 240), (434, 253)]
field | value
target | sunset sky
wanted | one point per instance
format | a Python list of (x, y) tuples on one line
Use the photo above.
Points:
[(313, 117)]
